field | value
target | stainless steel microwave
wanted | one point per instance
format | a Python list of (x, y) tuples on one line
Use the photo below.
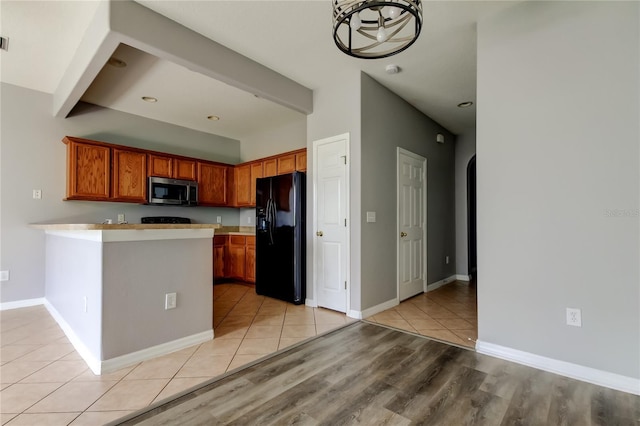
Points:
[(173, 192)]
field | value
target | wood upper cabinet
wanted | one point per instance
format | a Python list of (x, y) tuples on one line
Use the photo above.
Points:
[(184, 169), (129, 176), (243, 185), (301, 161), (286, 164), (160, 166), (212, 184), (270, 167), (256, 172), (250, 260), (172, 167), (88, 170)]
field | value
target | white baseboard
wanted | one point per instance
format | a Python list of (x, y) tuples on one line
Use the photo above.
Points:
[(563, 368), (117, 363), (438, 284), (374, 309), (107, 366), (92, 361), (463, 278), (21, 303), (310, 303)]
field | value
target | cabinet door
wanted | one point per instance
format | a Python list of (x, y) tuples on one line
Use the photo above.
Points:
[(243, 185), (184, 169), (286, 164), (301, 161), (237, 258), (160, 166), (88, 172), (270, 167), (219, 248), (129, 176), (256, 172), (212, 184), (250, 271)]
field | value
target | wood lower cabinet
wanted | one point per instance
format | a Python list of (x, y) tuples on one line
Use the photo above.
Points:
[(212, 184), (219, 248), (129, 176), (88, 171), (234, 257), (250, 260)]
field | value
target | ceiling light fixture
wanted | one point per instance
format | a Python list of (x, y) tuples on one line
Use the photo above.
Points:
[(466, 104), (117, 63), (213, 118), (150, 99), (371, 29)]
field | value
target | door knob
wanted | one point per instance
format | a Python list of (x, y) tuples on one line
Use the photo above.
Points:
[(319, 234), (403, 234)]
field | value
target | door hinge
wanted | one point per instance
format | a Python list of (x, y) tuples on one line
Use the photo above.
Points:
[(344, 157), (345, 221), (345, 285)]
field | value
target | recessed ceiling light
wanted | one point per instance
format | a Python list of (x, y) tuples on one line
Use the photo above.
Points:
[(149, 99), (115, 62), (466, 104), (213, 118)]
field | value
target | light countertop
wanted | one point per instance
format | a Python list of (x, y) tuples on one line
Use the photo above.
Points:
[(115, 227)]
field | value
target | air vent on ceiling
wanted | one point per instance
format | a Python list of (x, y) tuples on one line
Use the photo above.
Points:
[(4, 43)]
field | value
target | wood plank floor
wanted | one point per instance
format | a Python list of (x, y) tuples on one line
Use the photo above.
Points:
[(372, 375)]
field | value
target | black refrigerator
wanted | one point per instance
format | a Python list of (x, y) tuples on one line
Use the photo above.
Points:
[(280, 237)]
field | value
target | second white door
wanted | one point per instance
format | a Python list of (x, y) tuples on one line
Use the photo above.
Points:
[(412, 223)]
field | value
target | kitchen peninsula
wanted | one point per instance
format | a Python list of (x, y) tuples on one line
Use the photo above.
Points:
[(110, 288)]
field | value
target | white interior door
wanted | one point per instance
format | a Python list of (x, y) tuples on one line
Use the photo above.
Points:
[(331, 252), (412, 223)]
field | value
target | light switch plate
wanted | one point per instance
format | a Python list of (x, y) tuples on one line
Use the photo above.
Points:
[(170, 301), (371, 216)]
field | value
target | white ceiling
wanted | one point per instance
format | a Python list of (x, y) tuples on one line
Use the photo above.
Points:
[(291, 37)]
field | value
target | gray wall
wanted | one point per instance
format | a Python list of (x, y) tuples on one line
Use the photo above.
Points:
[(275, 140), (336, 109), (33, 157), (465, 149), (389, 122), (558, 173)]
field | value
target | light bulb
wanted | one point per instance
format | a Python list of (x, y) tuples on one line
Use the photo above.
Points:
[(355, 23), (394, 12), (382, 35)]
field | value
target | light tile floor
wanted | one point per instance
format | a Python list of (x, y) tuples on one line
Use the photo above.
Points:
[(449, 314), (45, 382)]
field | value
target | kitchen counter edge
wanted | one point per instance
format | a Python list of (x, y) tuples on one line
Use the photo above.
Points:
[(115, 227)]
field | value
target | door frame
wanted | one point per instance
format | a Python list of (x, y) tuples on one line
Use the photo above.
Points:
[(418, 157), (314, 221)]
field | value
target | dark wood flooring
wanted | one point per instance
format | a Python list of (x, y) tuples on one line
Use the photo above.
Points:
[(372, 375)]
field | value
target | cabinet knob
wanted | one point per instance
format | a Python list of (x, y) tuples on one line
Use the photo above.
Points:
[(319, 234), (403, 234)]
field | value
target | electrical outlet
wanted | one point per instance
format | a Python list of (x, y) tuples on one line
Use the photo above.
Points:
[(218, 219), (121, 218), (249, 220), (4, 275), (574, 317), (170, 300), (37, 194)]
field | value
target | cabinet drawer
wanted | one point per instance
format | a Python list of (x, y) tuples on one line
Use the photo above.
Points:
[(237, 239)]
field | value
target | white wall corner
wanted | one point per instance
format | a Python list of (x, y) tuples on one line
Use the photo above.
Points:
[(92, 361), (22, 303), (463, 278), (114, 364), (563, 368), (438, 284), (375, 309)]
